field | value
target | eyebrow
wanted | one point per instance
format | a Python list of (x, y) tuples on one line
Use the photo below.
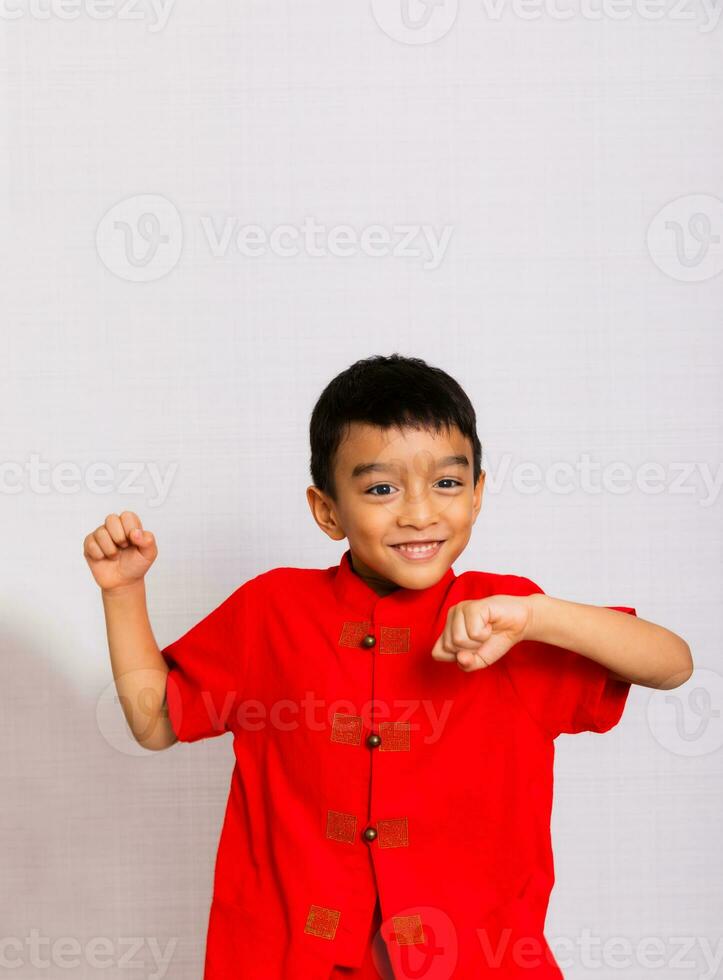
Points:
[(363, 468)]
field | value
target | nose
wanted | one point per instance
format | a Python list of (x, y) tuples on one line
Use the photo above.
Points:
[(419, 511)]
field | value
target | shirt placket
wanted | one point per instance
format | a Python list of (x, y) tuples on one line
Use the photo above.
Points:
[(367, 637), (388, 830), (378, 637), (381, 635)]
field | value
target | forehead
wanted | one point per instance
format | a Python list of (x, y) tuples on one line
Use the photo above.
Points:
[(404, 448)]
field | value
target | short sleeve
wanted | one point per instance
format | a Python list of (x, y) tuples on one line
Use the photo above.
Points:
[(564, 691), (206, 668)]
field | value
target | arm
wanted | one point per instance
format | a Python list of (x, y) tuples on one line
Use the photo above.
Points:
[(139, 670), (119, 553), (632, 649), (480, 631)]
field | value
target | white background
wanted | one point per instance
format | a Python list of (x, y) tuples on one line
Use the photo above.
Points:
[(551, 148)]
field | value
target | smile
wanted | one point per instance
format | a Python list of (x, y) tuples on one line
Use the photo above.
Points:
[(418, 552)]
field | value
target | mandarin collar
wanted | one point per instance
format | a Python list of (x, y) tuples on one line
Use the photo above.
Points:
[(353, 591)]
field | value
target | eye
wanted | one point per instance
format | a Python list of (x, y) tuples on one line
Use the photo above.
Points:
[(377, 487)]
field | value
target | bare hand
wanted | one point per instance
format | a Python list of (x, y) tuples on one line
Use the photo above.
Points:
[(119, 552), (480, 631)]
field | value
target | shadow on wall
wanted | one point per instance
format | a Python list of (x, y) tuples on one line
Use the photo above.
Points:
[(107, 849)]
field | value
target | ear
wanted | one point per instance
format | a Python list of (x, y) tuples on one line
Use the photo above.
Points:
[(477, 496), (324, 513)]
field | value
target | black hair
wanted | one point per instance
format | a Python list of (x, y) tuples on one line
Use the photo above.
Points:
[(387, 392)]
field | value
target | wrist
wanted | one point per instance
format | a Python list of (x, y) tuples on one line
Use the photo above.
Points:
[(535, 605), (130, 589)]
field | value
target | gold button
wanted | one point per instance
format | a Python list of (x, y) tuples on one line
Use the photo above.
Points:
[(370, 833), (369, 640), (374, 740)]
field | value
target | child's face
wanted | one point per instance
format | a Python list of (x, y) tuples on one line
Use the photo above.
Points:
[(412, 494)]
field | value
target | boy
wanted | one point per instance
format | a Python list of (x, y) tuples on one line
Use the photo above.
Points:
[(393, 723)]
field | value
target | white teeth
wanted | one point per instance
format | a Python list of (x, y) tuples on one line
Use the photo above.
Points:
[(417, 548)]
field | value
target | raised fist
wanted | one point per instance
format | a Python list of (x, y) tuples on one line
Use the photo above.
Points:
[(119, 552)]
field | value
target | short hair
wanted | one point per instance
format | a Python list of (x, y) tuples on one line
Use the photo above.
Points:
[(387, 391)]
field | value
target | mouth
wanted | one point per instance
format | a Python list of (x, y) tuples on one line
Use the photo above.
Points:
[(418, 550)]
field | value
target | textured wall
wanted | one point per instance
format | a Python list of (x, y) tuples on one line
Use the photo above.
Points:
[(209, 210)]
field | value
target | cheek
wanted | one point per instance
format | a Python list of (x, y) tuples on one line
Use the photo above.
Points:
[(371, 520), (372, 524), (457, 512), (460, 528), (361, 517)]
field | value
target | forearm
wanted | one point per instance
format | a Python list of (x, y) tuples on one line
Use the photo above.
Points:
[(139, 669), (632, 648)]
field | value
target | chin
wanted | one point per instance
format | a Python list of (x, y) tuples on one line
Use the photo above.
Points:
[(419, 578)]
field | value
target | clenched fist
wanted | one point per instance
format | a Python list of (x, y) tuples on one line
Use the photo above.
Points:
[(480, 631), (119, 552)]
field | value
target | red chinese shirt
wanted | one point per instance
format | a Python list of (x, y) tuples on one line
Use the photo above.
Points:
[(364, 766)]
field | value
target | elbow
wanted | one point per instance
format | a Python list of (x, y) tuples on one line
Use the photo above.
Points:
[(157, 744), (681, 668), (157, 735)]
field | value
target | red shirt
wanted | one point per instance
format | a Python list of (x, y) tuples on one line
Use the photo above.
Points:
[(302, 665)]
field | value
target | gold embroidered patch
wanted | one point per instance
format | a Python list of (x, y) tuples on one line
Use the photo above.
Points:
[(341, 826), (393, 832), (394, 735), (394, 639), (346, 728), (353, 633), (322, 922), (408, 930)]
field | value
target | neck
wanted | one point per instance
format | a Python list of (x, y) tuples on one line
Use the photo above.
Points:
[(380, 585)]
